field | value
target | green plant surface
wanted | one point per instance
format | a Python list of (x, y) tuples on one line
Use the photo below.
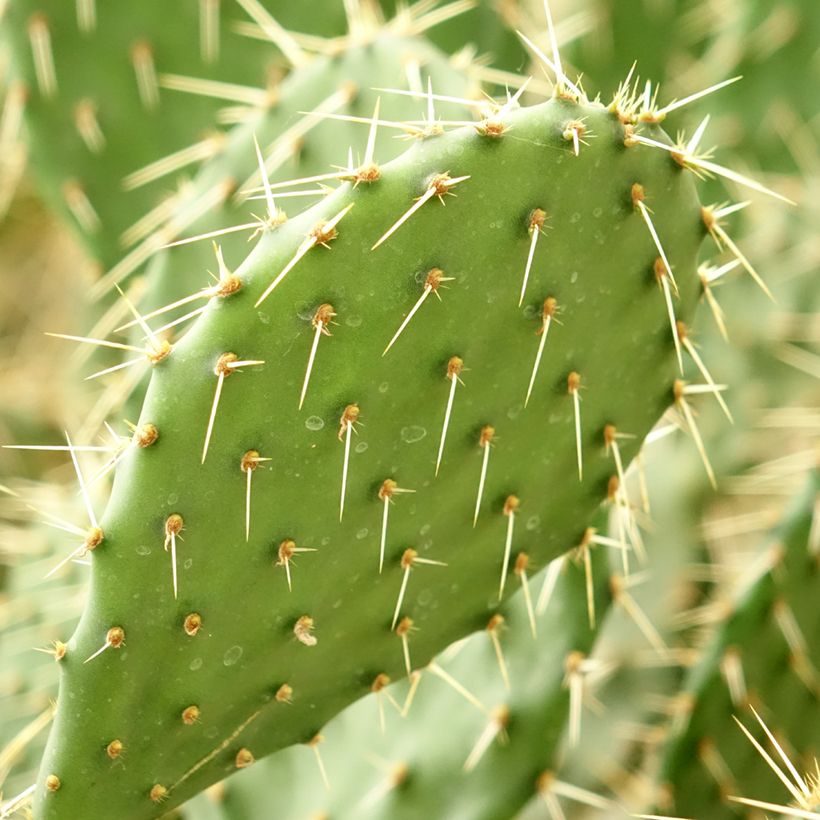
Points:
[(488, 27), (777, 58), (417, 765), (601, 268), (295, 142), (88, 120), (244, 492), (764, 656), (33, 614), (664, 41), (621, 748)]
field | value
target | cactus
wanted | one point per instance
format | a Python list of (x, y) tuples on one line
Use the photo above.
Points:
[(776, 43), (501, 741), (488, 27), (764, 656), (337, 84), (495, 182), (621, 748), (563, 268), (84, 73), (31, 615)]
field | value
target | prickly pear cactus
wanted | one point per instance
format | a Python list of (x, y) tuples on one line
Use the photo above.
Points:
[(90, 82), (92, 76), (33, 618), (486, 26), (298, 135), (645, 34), (776, 42), (505, 696), (764, 657), (211, 630)]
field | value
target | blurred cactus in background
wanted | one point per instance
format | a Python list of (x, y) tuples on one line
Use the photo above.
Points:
[(426, 421)]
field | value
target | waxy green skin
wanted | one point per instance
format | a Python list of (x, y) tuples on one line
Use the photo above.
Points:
[(441, 728), (29, 679), (596, 259), (322, 147), (97, 66), (488, 27), (32, 614), (775, 690), (779, 117)]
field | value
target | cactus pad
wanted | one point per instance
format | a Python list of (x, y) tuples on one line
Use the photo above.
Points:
[(193, 602), (501, 740), (764, 657)]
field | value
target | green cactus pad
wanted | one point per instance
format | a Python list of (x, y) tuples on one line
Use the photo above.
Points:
[(33, 613), (74, 75), (236, 635), (768, 650), (426, 770), (295, 142), (89, 119)]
